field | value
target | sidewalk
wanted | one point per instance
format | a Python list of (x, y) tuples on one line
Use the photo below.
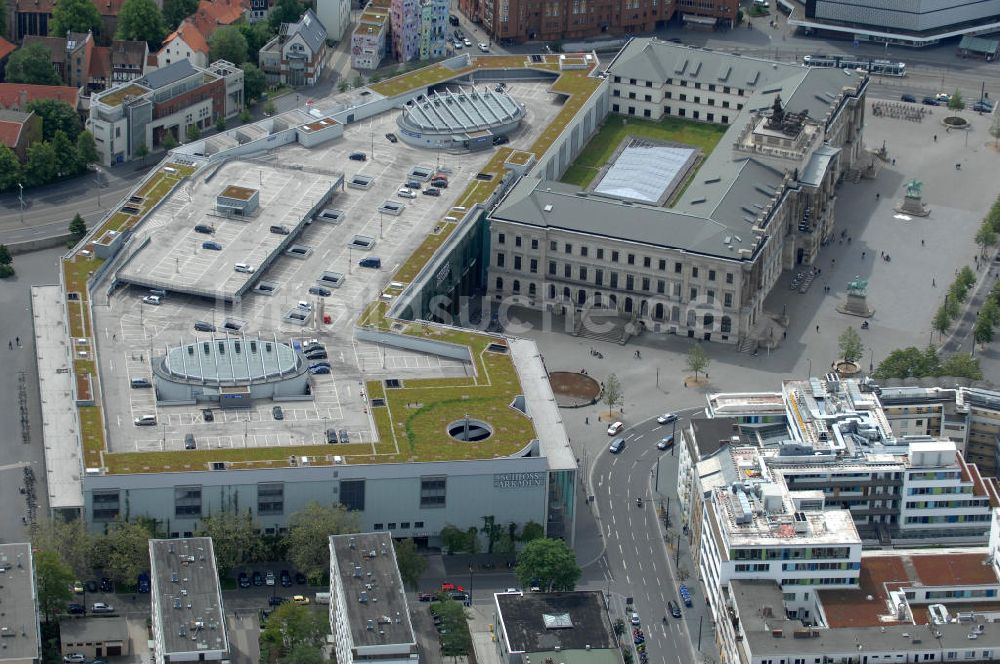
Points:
[(481, 619)]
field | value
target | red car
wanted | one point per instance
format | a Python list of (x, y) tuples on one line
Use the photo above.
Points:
[(451, 588)]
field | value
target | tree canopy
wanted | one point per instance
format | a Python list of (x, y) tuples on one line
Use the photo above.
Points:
[(175, 11), (75, 16), (10, 169), (32, 64), (291, 627), (141, 20), (254, 82), (124, 550), (285, 11), (697, 360), (308, 536), (55, 581), (612, 393), (233, 538), (56, 116), (550, 563), (228, 43), (912, 362), (411, 564), (851, 347)]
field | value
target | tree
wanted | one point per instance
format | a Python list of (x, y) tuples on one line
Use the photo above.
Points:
[(985, 237), (956, 103), (453, 539), (233, 538), (43, 163), (142, 152), (228, 43), (175, 11), (966, 277), (10, 169), (245, 116), (257, 34), (942, 320), (961, 365), (532, 531), (86, 148), (141, 20), (77, 228), (6, 262), (908, 362), (411, 564), (75, 16), (69, 540), (169, 141), (343, 85), (3, 17), (55, 583), (983, 330), (32, 64), (69, 160), (269, 108), (285, 11), (851, 347), (193, 133), (254, 83), (308, 536), (220, 123), (304, 654), (291, 625), (550, 563), (612, 392), (56, 116), (697, 360), (123, 551)]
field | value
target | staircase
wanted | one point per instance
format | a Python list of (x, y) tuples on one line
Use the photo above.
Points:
[(617, 334)]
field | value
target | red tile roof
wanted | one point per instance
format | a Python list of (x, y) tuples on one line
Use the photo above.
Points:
[(882, 574), (10, 93), (9, 133), (212, 14), (100, 63), (191, 35), (6, 48), (34, 6)]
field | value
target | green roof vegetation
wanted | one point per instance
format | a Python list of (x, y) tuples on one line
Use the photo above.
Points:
[(117, 95), (419, 78), (604, 143)]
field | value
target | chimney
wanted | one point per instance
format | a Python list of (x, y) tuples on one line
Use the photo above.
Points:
[(22, 100)]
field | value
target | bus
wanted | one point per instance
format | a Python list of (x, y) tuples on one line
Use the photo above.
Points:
[(870, 65)]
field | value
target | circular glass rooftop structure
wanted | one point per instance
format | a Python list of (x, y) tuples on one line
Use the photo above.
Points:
[(461, 113), (231, 361)]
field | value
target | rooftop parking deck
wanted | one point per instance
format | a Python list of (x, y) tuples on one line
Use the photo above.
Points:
[(410, 425), (177, 258)]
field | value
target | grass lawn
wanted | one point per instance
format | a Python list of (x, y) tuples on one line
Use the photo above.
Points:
[(606, 141)]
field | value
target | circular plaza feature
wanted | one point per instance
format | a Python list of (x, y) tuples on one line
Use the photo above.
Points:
[(573, 389)]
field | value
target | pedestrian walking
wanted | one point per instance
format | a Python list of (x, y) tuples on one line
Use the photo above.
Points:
[(935, 138), (18, 340), (10, 345), (862, 255), (817, 328), (934, 283), (921, 242)]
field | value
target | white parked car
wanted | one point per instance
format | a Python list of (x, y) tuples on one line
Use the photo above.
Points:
[(151, 299), (635, 619), (615, 428), (666, 418), (406, 192), (244, 267), (101, 607), (485, 48), (467, 42), (457, 44)]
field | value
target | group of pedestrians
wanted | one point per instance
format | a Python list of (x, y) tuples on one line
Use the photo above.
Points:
[(10, 344)]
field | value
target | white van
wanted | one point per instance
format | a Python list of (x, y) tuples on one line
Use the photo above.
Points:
[(322, 598), (243, 267)]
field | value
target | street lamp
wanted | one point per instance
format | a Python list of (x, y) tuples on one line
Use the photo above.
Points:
[(810, 367), (20, 197), (97, 176)]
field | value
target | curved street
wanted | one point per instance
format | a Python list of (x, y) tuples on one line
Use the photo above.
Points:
[(637, 560)]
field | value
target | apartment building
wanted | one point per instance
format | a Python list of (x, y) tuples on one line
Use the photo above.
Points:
[(371, 35), (335, 15), (190, 40), (81, 64), (296, 55), (700, 262), (167, 101)]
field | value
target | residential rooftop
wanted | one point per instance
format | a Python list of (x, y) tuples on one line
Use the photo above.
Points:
[(186, 596), (562, 621), (19, 598), (367, 574)]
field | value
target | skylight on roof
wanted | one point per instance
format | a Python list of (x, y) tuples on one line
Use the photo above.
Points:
[(557, 620)]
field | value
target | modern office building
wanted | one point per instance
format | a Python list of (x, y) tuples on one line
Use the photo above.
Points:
[(170, 101), (296, 55), (189, 622), (369, 615), (911, 23), (370, 38), (20, 630), (543, 627), (702, 262)]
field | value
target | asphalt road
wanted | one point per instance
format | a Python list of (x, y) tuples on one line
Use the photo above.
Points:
[(636, 556)]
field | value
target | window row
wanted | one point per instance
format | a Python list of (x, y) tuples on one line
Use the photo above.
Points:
[(697, 85), (403, 525), (681, 113), (681, 96)]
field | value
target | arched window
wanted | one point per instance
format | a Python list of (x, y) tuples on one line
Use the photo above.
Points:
[(499, 283), (658, 311), (517, 286), (581, 297), (552, 292), (531, 289), (727, 325), (628, 305), (709, 320)]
